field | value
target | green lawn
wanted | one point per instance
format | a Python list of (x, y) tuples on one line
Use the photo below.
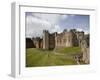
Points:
[(69, 50), (40, 57)]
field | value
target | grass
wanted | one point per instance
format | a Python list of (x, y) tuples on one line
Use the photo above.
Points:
[(40, 57), (69, 50)]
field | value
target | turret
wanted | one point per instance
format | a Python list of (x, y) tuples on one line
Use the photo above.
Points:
[(45, 39)]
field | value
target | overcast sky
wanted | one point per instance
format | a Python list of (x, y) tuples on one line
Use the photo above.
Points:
[(37, 22)]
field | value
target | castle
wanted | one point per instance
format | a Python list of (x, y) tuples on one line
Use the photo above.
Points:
[(72, 38), (57, 40)]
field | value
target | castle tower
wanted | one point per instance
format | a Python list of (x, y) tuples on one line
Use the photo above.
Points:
[(55, 39), (37, 42), (74, 37), (45, 39), (80, 37), (69, 39), (52, 41)]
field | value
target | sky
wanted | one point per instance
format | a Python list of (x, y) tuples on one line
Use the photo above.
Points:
[(37, 22)]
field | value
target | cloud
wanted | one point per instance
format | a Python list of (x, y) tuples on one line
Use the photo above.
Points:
[(64, 17), (79, 29), (36, 23), (85, 31), (57, 28), (52, 18)]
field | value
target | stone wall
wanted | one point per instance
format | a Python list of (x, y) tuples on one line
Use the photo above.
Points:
[(29, 43), (51, 41), (65, 39), (38, 42), (48, 40)]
